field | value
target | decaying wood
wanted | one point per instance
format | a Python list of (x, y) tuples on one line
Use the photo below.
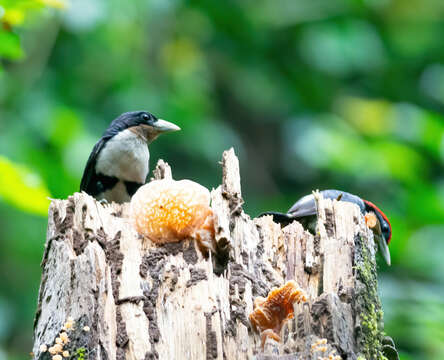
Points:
[(144, 301)]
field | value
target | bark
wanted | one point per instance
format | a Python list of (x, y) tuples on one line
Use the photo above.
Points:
[(144, 301)]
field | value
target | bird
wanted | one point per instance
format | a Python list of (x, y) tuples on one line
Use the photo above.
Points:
[(119, 162), (304, 210)]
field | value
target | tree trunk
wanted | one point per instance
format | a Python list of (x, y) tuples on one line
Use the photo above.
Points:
[(132, 299)]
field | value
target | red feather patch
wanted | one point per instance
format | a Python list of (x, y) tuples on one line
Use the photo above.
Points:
[(383, 216)]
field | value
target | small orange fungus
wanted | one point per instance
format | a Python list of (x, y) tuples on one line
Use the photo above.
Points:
[(271, 313), (169, 211), (64, 336)]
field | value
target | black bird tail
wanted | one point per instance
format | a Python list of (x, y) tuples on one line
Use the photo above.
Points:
[(280, 218)]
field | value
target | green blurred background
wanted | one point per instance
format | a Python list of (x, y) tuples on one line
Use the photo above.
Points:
[(345, 94)]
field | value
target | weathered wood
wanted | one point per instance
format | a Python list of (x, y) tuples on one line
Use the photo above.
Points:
[(144, 301)]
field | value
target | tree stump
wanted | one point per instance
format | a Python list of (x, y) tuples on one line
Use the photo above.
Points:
[(117, 295)]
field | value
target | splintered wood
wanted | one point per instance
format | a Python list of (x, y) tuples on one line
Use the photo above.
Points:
[(141, 300)]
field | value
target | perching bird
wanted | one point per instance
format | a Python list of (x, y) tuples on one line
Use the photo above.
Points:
[(306, 207), (119, 162)]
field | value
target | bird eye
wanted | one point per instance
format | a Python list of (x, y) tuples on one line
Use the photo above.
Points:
[(145, 117)]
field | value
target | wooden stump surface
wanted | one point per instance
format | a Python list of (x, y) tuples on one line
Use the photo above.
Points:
[(143, 301)]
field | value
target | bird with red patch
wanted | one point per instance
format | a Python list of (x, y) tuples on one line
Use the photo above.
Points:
[(376, 220)]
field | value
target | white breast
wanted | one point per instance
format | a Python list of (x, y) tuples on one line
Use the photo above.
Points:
[(126, 157)]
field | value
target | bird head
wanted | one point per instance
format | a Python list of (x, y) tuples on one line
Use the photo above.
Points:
[(381, 229), (384, 224), (142, 123)]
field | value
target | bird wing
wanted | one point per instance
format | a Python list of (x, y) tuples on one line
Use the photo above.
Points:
[(88, 183)]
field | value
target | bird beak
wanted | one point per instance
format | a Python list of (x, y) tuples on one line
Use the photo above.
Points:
[(383, 248), (165, 126), (372, 222)]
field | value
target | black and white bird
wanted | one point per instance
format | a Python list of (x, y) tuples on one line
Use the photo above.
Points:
[(119, 162)]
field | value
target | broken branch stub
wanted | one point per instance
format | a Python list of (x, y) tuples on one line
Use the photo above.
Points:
[(140, 300)]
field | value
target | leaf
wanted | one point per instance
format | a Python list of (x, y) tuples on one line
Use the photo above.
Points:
[(10, 45), (22, 188), (14, 16)]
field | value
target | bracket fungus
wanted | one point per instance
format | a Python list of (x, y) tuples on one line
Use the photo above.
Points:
[(169, 211), (271, 313)]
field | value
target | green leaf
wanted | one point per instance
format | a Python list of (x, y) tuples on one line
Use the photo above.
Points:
[(22, 188), (10, 45)]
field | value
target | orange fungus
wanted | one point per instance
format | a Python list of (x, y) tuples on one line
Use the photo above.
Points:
[(271, 313), (169, 211)]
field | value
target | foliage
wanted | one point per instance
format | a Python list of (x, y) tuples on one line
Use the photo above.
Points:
[(312, 94), (13, 13), (22, 188)]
